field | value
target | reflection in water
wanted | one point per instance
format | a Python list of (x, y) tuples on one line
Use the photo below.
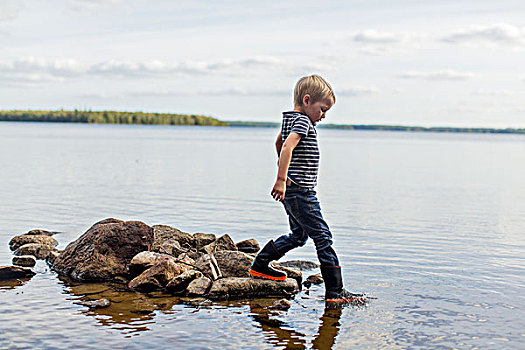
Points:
[(11, 284), (279, 333)]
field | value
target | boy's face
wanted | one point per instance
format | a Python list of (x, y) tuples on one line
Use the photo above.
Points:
[(316, 111)]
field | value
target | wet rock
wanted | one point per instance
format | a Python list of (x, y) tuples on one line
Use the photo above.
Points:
[(165, 268), (198, 286), (104, 251), (303, 265), (282, 304), (241, 288), (51, 256), (41, 232), (224, 242), (143, 261), (209, 266), (313, 279), (39, 251), (248, 246), (19, 241), (179, 284), (165, 233), (233, 263), (24, 260), (100, 303), (203, 239), (14, 272), (296, 274)]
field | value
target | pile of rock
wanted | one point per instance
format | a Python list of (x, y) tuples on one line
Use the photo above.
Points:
[(159, 257)]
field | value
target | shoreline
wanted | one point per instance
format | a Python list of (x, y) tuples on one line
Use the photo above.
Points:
[(141, 118)]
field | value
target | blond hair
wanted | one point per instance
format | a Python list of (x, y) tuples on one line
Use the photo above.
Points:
[(315, 86)]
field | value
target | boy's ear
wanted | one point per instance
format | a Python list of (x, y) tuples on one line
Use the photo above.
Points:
[(306, 99)]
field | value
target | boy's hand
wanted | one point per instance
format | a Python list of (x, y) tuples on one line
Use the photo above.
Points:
[(278, 190)]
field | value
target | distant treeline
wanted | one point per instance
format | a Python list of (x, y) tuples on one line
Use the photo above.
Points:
[(391, 128), (109, 117)]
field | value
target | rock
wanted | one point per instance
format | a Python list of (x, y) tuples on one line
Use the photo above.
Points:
[(313, 279), (291, 272), (39, 251), (171, 247), (248, 246), (24, 260), (14, 272), (203, 239), (233, 263), (224, 242), (40, 232), (165, 268), (104, 251), (143, 261), (163, 233), (52, 255), (241, 288), (282, 304), (100, 303), (198, 286), (302, 265), (19, 241), (207, 264), (179, 284)]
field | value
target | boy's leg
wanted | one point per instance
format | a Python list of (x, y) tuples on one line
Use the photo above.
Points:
[(297, 238)]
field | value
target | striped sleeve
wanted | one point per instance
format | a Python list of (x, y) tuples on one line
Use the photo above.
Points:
[(301, 125)]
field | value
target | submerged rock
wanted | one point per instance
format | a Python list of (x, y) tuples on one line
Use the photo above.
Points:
[(24, 260), (100, 303), (39, 251), (41, 232), (248, 246), (282, 304), (20, 240), (241, 288), (14, 272), (104, 251)]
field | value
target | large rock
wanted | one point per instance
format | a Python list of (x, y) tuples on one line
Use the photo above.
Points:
[(14, 272), (24, 260), (241, 288), (233, 263), (203, 239), (302, 265), (165, 233), (143, 261), (19, 241), (165, 268), (248, 246), (207, 264), (296, 274), (104, 251), (39, 251), (224, 242), (179, 284)]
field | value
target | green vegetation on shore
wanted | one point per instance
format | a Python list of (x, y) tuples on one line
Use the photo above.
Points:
[(109, 117), (114, 117)]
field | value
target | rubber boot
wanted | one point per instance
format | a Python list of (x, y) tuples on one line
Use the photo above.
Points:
[(334, 291), (260, 267)]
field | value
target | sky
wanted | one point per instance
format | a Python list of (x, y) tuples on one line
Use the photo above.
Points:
[(428, 63)]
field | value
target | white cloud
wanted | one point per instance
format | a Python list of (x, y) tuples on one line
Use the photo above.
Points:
[(7, 12), (356, 91), (375, 37), (495, 92), (444, 74), (31, 71), (499, 33)]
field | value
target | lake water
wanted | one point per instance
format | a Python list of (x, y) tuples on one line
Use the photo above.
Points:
[(432, 225)]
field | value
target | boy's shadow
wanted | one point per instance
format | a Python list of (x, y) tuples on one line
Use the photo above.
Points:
[(278, 332)]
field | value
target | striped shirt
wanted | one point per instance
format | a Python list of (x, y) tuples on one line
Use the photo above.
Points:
[(305, 156)]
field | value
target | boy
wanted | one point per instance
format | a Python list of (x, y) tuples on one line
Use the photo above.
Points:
[(298, 154)]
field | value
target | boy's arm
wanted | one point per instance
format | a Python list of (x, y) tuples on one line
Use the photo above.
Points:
[(279, 144), (279, 188)]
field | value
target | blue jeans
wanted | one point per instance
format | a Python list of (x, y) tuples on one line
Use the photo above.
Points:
[(306, 220)]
